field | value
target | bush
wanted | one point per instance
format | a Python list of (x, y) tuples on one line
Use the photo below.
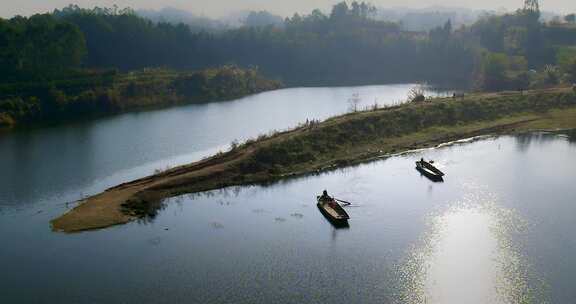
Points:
[(6, 120), (416, 94)]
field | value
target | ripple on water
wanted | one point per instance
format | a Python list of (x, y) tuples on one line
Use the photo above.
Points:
[(468, 256)]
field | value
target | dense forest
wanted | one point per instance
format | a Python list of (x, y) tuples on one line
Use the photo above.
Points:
[(345, 47), (110, 92), (76, 50)]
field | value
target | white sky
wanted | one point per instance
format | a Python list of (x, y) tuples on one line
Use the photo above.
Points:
[(216, 8)]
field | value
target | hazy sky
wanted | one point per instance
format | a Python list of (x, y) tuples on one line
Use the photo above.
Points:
[(215, 8)]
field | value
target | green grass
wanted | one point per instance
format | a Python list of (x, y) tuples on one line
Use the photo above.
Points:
[(347, 137)]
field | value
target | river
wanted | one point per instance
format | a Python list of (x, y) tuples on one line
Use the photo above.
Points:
[(497, 230)]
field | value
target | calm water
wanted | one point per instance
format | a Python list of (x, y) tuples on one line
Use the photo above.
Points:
[(499, 229)]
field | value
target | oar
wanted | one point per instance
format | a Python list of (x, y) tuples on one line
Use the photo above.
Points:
[(342, 201)]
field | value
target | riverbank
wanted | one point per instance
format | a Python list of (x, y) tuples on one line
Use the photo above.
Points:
[(97, 94), (336, 142)]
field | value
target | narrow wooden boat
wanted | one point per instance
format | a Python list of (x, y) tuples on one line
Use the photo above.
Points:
[(429, 170), (332, 210)]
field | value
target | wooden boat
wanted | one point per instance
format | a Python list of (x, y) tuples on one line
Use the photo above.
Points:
[(332, 211), (429, 170)]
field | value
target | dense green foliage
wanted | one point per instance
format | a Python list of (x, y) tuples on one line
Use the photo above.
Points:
[(520, 52), (149, 88), (346, 46), (121, 39), (75, 60), (38, 47)]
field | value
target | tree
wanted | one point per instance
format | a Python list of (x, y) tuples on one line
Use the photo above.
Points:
[(38, 47), (416, 94), (570, 69), (339, 11), (263, 18), (516, 40), (493, 76), (441, 34), (520, 81), (532, 6), (551, 76)]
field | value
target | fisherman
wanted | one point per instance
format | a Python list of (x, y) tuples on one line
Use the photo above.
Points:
[(422, 160), (325, 196)]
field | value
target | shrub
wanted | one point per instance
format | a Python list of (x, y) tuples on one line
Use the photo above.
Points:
[(416, 94), (6, 120)]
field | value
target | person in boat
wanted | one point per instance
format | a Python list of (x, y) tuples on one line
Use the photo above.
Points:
[(325, 196), (422, 160)]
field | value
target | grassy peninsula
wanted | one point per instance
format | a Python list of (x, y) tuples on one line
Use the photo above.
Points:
[(336, 142)]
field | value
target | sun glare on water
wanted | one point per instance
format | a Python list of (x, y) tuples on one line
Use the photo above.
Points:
[(468, 256)]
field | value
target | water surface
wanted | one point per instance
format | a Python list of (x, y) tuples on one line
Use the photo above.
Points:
[(497, 230)]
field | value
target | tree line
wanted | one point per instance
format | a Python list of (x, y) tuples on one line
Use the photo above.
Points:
[(346, 46), (75, 49), (114, 93)]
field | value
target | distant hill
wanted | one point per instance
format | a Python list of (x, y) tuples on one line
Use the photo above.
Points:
[(263, 18), (203, 23), (175, 16), (425, 19)]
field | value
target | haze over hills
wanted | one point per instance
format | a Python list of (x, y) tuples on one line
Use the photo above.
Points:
[(411, 16), (200, 22), (221, 8), (174, 15), (411, 19)]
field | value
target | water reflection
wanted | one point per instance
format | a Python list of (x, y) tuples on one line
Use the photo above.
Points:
[(524, 141), (467, 256), (571, 135)]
